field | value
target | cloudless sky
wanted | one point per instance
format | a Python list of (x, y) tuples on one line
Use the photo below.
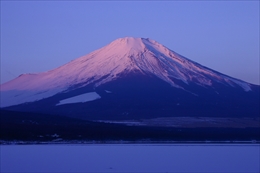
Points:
[(38, 36)]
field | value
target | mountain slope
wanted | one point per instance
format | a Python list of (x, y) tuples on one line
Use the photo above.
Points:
[(129, 72)]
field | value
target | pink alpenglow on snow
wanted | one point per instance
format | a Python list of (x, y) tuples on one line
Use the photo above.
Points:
[(123, 55)]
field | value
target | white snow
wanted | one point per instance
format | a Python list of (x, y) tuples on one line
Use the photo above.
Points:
[(80, 98), (122, 55)]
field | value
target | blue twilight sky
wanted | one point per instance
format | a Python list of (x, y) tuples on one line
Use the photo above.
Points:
[(38, 36)]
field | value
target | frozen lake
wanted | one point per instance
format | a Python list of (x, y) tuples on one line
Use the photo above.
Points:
[(130, 158)]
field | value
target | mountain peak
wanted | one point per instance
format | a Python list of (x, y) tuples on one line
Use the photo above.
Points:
[(133, 46), (128, 45), (130, 40)]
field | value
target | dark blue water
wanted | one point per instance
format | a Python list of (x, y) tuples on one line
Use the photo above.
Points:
[(130, 158)]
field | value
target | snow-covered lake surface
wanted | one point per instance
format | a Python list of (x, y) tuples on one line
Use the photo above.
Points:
[(130, 158)]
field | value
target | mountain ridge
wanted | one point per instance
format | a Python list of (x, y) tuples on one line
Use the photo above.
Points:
[(120, 55), (145, 59)]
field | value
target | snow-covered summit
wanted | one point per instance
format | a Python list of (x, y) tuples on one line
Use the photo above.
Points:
[(123, 55), (127, 44), (131, 45)]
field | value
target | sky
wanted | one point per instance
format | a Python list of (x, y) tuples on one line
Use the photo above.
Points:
[(38, 36)]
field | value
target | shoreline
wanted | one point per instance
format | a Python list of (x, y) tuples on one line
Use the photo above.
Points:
[(2, 142)]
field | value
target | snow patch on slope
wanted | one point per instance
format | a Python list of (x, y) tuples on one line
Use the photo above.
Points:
[(80, 98)]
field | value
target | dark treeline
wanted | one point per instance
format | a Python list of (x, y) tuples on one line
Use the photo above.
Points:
[(40, 127)]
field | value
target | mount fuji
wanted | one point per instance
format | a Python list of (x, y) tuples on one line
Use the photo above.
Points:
[(131, 78)]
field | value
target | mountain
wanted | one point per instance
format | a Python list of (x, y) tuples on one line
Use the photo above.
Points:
[(131, 78)]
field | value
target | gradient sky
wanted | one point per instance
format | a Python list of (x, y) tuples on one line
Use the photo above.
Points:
[(38, 36)]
